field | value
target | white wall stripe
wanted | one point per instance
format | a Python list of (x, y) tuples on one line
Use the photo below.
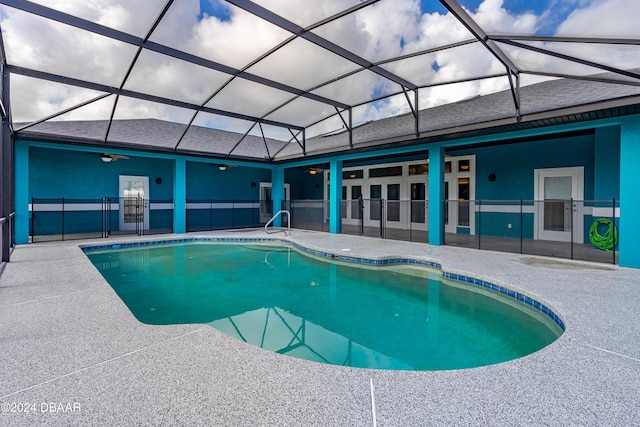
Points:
[(515, 209), (606, 212), (504, 209), (70, 207), (229, 205), (87, 207), (161, 206), (318, 205), (80, 207)]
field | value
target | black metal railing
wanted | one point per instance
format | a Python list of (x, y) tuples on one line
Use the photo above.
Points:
[(387, 219), (575, 229), (7, 236), (212, 214), (69, 218), (308, 214)]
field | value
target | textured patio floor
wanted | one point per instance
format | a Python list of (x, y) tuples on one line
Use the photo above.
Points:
[(69, 343)]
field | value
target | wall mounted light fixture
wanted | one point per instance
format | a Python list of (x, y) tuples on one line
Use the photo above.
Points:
[(314, 170)]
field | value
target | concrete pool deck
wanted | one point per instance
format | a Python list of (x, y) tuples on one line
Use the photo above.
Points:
[(74, 353)]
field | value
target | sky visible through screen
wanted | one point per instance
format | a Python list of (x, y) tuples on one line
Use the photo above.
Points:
[(220, 32)]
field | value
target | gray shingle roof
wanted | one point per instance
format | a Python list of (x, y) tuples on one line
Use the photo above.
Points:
[(154, 134), (484, 112)]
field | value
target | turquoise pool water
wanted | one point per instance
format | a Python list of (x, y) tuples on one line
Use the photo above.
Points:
[(344, 314)]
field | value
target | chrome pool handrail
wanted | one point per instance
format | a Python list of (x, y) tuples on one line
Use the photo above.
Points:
[(287, 232)]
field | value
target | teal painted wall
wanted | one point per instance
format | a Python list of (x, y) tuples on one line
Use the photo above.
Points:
[(277, 194), (303, 185), (82, 177), (205, 182), (79, 175), (598, 153), (436, 195), (21, 180), (629, 194), (335, 196), (497, 224), (514, 164), (180, 195), (419, 156), (607, 163), (57, 173)]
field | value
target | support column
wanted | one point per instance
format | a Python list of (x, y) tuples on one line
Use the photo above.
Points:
[(335, 196), (6, 160), (629, 236), (22, 217), (436, 195), (606, 172), (180, 196), (277, 193)]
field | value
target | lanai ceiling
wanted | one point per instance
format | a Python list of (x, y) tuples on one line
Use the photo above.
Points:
[(269, 79)]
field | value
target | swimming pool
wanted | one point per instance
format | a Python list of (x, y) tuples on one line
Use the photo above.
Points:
[(397, 316)]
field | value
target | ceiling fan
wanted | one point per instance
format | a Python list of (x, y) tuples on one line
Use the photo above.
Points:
[(224, 166), (112, 157)]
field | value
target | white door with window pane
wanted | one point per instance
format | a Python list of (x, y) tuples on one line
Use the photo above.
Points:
[(266, 200), (384, 197), (418, 210), (134, 203), (559, 201), (351, 195), (459, 191)]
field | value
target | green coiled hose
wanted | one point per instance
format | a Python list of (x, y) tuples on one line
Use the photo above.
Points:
[(606, 241)]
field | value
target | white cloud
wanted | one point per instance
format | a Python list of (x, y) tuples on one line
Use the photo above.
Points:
[(33, 100), (49, 46), (302, 64), (463, 62), (245, 97), (299, 12), (234, 42), (164, 76), (596, 18), (131, 16), (493, 17), (603, 18)]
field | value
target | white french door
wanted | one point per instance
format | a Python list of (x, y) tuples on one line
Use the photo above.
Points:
[(419, 196), (266, 200), (351, 194), (460, 191), (389, 190), (134, 202), (559, 204)]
